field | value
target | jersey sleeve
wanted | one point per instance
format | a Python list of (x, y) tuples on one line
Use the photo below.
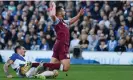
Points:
[(67, 22), (54, 22), (13, 57)]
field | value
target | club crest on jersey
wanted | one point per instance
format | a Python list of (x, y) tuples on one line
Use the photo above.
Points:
[(68, 56)]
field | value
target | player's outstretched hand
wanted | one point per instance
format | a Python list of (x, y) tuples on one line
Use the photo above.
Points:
[(9, 76), (52, 4), (52, 8), (81, 12)]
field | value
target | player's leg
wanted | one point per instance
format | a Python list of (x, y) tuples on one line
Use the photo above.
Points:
[(31, 72), (63, 66), (51, 66), (65, 57), (53, 73), (54, 60), (66, 64), (47, 74), (54, 63), (55, 56)]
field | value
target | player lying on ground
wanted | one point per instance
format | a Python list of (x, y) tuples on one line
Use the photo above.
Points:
[(60, 59), (23, 69)]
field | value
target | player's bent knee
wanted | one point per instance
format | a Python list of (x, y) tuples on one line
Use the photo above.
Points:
[(66, 68), (66, 64)]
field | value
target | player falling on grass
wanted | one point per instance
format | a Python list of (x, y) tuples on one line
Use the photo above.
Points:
[(23, 69), (60, 58)]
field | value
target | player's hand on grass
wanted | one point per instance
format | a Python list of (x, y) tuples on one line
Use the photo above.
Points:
[(9, 76)]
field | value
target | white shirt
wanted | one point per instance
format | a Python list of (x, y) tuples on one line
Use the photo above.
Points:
[(74, 42), (106, 23), (112, 44)]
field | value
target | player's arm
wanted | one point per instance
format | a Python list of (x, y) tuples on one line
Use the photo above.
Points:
[(74, 19), (52, 11), (6, 66)]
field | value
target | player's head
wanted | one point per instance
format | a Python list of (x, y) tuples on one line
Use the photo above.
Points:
[(20, 50), (60, 11)]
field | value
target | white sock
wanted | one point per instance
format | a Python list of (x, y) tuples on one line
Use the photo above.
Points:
[(31, 72), (47, 73), (61, 67)]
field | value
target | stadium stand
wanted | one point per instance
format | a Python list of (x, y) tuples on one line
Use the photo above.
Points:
[(104, 26)]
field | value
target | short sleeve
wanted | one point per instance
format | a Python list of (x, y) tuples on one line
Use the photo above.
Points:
[(54, 22), (13, 57), (67, 22)]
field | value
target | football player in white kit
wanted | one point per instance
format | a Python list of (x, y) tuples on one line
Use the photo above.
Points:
[(24, 69)]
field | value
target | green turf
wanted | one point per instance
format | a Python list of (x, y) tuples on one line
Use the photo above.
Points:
[(86, 72)]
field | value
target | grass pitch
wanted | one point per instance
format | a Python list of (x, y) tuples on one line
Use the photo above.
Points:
[(86, 72)]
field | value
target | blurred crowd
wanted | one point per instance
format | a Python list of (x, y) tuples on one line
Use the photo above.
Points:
[(105, 26)]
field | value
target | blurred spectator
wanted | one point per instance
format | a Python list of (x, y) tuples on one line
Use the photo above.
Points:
[(129, 21), (121, 32), (49, 30), (27, 43), (11, 7), (112, 43), (96, 12), (103, 29), (106, 8), (75, 41), (121, 47), (34, 46), (14, 35), (44, 45), (49, 41), (93, 39), (0, 20), (93, 43), (2, 44), (102, 46), (9, 45), (111, 33), (130, 48), (128, 40), (101, 37), (20, 38), (103, 20), (36, 39), (5, 12), (1, 6), (130, 31), (132, 39), (41, 34), (7, 35), (84, 42)]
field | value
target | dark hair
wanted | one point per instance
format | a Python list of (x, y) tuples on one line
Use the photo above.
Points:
[(58, 9), (16, 48), (102, 40)]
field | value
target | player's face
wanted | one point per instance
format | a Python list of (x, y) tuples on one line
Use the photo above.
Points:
[(63, 12), (23, 50)]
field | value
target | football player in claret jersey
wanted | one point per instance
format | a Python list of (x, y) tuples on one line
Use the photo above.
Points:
[(60, 58)]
